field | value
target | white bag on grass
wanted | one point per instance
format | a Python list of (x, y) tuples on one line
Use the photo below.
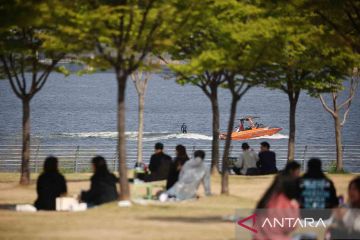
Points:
[(69, 204), (25, 208)]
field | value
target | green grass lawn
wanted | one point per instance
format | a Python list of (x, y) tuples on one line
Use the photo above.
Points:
[(199, 219)]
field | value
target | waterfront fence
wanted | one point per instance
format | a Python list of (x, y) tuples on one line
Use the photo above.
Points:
[(76, 158)]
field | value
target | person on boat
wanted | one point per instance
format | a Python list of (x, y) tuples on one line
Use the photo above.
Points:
[(241, 126), (175, 168), (184, 128), (267, 160), (316, 191), (246, 163), (193, 173), (103, 184), (50, 185), (159, 165)]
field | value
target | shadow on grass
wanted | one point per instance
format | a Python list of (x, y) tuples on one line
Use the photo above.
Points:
[(209, 219), (9, 207)]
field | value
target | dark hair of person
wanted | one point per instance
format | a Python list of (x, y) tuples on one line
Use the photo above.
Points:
[(51, 164), (282, 183), (355, 183), (159, 146), (181, 152), (291, 167), (265, 144), (245, 146), (314, 169), (100, 165), (199, 153)]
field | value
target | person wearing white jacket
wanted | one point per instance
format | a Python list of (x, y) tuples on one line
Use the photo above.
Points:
[(193, 173)]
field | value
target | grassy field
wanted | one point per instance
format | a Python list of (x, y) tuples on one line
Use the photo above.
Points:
[(200, 219)]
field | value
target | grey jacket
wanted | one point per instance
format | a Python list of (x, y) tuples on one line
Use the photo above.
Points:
[(193, 173)]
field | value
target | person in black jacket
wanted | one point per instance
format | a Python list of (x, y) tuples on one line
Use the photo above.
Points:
[(159, 165), (316, 191), (103, 184), (50, 185), (180, 159), (267, 159)]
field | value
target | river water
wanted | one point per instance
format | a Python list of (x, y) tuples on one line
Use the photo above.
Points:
[(81, 110)]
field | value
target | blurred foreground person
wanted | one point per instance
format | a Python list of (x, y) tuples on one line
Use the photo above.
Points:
[(292, 169), (103, 184), (50, 185), (316, 190), (279, 201), (346, 219), (178, 162), (193, 173)]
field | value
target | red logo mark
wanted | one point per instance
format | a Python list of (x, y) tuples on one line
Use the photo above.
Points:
[(241, 223)]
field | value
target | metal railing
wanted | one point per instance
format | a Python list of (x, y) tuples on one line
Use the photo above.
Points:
[(76, 158)]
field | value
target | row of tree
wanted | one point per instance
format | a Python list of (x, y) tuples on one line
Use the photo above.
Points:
[(295, 46)]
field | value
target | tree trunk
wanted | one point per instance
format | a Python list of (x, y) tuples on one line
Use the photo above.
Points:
[(25, 154), (293, 99), (215, 133), (140, 127), (225, 172), (338, 139), (121, 147)]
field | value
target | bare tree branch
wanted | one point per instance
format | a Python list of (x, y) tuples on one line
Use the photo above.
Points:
[(14, 72), (327, 108), (8, 73)]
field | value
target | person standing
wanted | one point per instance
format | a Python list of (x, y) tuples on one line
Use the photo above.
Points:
[(184, 128), (246, 163), (50, 185), (267, 160), (178, 162)]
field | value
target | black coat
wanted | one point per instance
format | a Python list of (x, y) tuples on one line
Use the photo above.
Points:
[(102, 189), (159, 166), (174, 171), (267, 162), (49, 186), (317, 193)]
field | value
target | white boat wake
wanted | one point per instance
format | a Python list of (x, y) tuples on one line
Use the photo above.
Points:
[(148, 136), (275, 136)]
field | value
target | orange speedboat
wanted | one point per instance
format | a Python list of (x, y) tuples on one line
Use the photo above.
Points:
[(252, 131)]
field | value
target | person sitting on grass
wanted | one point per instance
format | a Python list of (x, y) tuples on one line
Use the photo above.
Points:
[(159, 165), (50, 185), (267, 160), (193, 173), (246, 163), (103, 184), (178, 162)]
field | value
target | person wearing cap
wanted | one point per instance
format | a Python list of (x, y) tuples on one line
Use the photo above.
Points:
[(246, 163), (159, 165)]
